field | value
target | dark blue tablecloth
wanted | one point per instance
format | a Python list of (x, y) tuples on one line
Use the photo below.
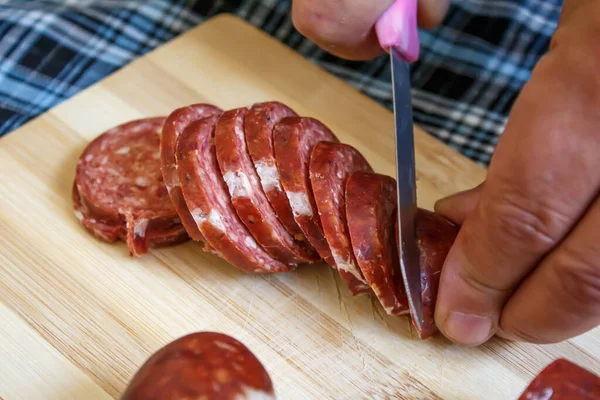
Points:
[(471, 69)]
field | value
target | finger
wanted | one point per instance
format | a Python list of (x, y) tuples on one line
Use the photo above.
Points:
[(431, 12), (457, 206), (574, 21), (530, 201), (561, 299), (345, 28), (570, 7)]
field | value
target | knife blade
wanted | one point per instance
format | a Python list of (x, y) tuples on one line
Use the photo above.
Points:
[(406, 185), (397, 32)]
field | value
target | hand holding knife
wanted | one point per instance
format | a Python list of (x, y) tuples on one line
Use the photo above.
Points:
[(397, 33)]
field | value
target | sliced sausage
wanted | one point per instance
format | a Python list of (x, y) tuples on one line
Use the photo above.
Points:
[(119, 186), (201, 365), (371, 205), (330, 166), (563, 380), (247, 195), (208, 200), (172, 128), (293, 140), (258, 128)]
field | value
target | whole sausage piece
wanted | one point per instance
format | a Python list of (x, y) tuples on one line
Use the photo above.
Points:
[(293, 140), (258, 129), (330, 166), (435, 237), (247, 195), (371, 200), (563, 380), (119, 191), (208, 200), (202, 365), (172, 128)]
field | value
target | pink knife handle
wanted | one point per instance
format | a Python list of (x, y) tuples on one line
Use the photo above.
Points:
[(397, 27)]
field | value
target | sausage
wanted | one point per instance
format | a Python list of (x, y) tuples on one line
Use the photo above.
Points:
[(562, 380), (263, 188), (118, 190), (208, 200), (172, 128), (330, 166), (201, 365), (435, 237), (293, 140), (258, 128), (371, 204), (247, 195)]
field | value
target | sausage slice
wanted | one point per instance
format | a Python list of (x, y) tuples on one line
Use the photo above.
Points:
[(119, 191), (293, 140), (172, 128), (330, 166), (371, 211)]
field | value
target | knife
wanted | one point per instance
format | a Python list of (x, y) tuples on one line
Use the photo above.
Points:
[(397, 33)]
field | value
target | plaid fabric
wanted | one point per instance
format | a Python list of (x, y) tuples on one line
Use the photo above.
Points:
[(471, 69)]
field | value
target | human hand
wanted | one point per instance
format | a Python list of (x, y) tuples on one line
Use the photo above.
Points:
[(526, 262), (345, 28)]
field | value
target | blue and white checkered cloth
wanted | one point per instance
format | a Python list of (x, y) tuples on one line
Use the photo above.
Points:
[(471, 69)]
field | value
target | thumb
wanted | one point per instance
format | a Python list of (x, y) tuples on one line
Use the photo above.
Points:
[(456, 207), (346, 28)]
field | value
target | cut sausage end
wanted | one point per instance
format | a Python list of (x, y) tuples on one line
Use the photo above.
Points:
[(563, 379), (201, 365)]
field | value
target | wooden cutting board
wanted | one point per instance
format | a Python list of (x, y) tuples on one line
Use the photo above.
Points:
[(79, 317)]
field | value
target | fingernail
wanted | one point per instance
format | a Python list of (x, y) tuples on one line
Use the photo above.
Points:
[(468, 329)]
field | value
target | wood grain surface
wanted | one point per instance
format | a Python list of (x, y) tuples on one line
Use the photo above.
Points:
[(79, 317)]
